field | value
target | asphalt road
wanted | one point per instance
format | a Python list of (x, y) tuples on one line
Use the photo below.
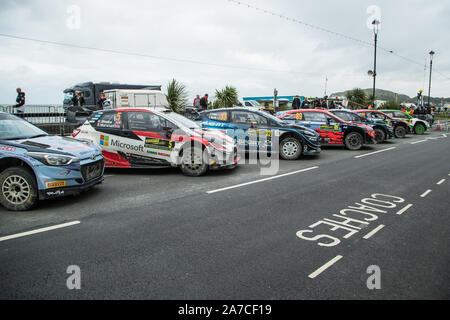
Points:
[(156, 234)]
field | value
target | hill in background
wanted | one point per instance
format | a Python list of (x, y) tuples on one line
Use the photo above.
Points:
[(390, 95)]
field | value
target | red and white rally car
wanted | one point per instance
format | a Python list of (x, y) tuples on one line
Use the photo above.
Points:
[(143, 138)]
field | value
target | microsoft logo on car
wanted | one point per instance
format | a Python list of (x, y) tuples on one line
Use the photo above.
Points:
[(104, 140)]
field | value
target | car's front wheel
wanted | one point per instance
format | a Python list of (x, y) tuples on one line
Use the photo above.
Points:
[(194, 162), (290, 148), (380, 136), (419, 128), (354, 141), (400, 132), (18, 190)]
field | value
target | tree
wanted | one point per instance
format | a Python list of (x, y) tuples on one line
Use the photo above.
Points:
[(176, 96), (391, 104), (226, 98), (357, 98)]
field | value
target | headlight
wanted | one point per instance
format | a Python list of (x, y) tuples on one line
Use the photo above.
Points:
[(53, 159)]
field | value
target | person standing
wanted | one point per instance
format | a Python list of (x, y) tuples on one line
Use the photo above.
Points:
[(101, 101), (197, 102), (20, 106), (204, 102), (78, 99), (305, 104), (296, 103)]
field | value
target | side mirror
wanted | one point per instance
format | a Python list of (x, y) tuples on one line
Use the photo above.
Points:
[(252, 124), (168, 131), (328, 121)]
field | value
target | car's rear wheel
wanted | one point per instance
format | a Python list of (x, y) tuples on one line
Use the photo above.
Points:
[(400, 132), (354, 141), (380, 136), (194, 162), (290, 148), (18, 190), (419, 128)]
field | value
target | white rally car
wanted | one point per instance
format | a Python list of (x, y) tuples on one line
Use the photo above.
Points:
[(143, 138)]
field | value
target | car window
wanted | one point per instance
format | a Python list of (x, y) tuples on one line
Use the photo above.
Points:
[(375, 115), (247, 117), (293, 116), (106, 120), (399, 115), (145, 121), (218, 116), (344, 116), (315, 116)]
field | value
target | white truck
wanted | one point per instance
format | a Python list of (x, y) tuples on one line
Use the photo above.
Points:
[(140, 98)]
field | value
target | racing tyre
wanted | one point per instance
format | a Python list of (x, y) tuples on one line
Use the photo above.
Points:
[(400, 132), (290, 148), (193, 162), (380, 136), (18, 189), (419, 128), (354, 141)]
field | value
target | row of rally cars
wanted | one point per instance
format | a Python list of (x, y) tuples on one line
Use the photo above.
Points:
[(35, 165)]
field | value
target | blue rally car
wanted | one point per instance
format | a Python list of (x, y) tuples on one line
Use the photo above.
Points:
[(35, 165), (254, 130)]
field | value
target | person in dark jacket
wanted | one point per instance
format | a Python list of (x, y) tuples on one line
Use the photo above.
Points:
[(20, 106), (305, 104), (101, 100), (204, 102), (78, 99), (296, 103)]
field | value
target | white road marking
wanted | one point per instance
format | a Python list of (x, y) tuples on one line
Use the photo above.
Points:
[(444, 135), (325, 266), (404, 209), (261, 180), (418, 141), (371, 233), (441, 181), (108, 175), (423, 195), (23, 234), (370, 153)]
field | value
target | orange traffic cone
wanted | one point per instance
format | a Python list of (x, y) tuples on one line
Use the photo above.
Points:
[(438, 125)]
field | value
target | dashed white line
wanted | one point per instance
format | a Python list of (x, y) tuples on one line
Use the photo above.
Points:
[(370, 153), (418, 141), (441, 181), (404, 209), (23, 234), (261, 180), (371, 233), (423, 195), (325, 266)]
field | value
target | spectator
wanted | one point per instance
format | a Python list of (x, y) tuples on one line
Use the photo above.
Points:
[(101, 101), (332, 105), (296, 103), (197, 102), (204, 102), (20, 106), (78, 99), (305, 104)]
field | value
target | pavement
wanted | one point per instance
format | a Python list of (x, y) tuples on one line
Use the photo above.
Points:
[(237, 234)]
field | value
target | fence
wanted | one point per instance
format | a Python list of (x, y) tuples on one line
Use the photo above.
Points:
[(50, 118)]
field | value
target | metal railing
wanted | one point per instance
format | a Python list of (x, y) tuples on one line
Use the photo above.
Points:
[(50, 118)]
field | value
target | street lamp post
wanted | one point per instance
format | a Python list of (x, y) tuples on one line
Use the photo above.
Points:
[(429, 81), (375, 24)]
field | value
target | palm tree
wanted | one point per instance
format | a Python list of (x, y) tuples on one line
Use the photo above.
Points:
[(176, 96), (357, 98), (226, 98)]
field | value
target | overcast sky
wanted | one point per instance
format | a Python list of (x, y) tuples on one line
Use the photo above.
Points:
[(271, 52)]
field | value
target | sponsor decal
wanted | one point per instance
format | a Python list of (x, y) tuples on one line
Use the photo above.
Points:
[(55, 184), (298, 116), (104, 140), (128, 146), (329, 128), (65, 172), (6, 148), (163, 154), (55, 193), (159, 143)]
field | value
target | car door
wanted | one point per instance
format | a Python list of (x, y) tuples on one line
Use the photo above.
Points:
[(250, 129), (154, 133), (108, 126)]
